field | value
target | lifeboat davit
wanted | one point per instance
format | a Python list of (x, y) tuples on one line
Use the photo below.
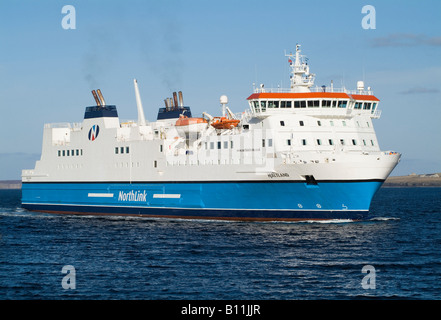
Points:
[(224, 123)]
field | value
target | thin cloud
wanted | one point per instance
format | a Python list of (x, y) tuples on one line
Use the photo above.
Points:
[(405, 40), (419, 90)]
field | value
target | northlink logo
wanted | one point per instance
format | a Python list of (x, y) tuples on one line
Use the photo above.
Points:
[(93, 132), (133, 196)]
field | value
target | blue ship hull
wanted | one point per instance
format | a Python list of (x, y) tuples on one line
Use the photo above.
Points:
[(281, 200)]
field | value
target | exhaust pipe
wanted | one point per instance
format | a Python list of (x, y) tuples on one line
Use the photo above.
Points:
[(181, 99), (175, 100), (98, 103), (101, 97)]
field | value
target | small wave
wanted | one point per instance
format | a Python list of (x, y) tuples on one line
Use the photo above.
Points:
[(384, 219), (330, 221)]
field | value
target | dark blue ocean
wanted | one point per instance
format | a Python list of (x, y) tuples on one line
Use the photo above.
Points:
[(158, 259)]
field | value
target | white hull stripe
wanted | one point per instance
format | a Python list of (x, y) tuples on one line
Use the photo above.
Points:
[(100, 195), (166, 196)]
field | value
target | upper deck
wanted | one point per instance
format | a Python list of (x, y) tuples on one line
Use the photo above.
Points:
[(303, 98)]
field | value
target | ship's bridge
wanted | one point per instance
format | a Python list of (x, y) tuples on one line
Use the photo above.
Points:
[(303, 98), (333, 104)]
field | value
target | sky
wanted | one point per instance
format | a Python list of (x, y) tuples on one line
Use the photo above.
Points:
[(211, 48)]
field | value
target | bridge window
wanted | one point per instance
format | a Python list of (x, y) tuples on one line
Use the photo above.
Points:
[(256, 106), (342, 103), (273, 104), (285, 104), (263, 106), (282, 123), (354, 142), (326, 103), (313, 103), (367, 106), (299, 104), (304, 142), (331, 142), (301, 123), (358, 105)]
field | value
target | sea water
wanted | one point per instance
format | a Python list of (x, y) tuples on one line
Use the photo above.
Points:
[(393, 255)]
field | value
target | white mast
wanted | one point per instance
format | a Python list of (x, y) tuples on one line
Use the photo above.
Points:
[(141, 118), (301, 79)]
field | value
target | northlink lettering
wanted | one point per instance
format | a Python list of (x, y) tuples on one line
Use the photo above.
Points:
[(135, 196)]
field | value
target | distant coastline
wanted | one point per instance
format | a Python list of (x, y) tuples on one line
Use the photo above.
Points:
[(412, 180), (10, 184)]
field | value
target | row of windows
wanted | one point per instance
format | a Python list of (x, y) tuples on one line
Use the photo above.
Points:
[(289, 142), (133, 164), (263, 105), (122, 150), (70, 153), (319, 123), (226, 145), (319, 142), (219, 145)]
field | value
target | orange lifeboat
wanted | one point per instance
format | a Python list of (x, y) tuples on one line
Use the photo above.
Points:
[(224, 123), (186, 121)]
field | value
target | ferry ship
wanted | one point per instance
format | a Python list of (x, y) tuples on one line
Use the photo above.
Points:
[(301, 153)]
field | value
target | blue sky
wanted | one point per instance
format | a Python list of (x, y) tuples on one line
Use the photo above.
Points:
[(211, 48)]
